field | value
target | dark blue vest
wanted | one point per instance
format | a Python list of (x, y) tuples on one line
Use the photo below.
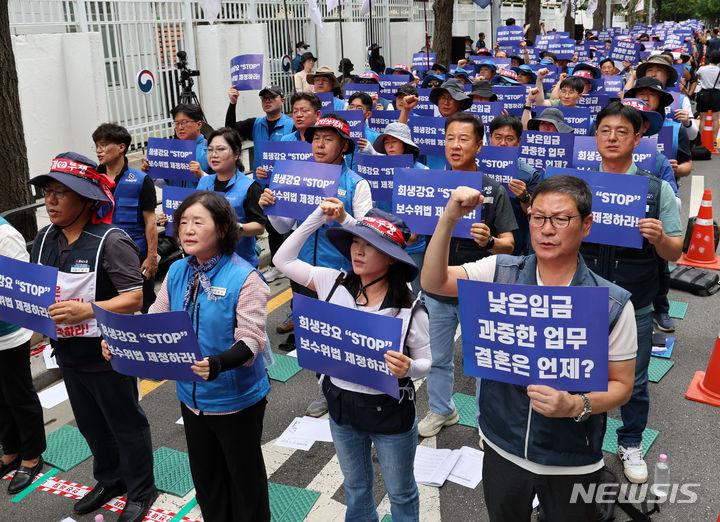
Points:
[(127, 213)]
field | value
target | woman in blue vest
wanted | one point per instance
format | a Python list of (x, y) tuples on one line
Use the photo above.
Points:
[(242, 192), (361, 416), (223, 413)]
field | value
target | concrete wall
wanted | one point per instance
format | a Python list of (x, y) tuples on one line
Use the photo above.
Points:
[(406, 38), (61, 82), (216, 45), (328, 45)]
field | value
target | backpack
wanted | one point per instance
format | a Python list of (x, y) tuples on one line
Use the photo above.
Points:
[(695, 280)]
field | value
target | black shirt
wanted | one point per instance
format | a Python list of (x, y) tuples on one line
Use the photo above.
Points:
[(245, 127)]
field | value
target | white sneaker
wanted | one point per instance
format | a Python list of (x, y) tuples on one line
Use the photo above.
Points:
[(272, 273), (434, 422), (634, 466)]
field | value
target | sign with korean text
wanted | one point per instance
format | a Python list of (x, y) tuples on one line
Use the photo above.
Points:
[(327, 102), (563, 48), (500, 163), (246, 72), (345, 343), (579, 118), (156, 346), (675, 105), (594, 102), (381, 119), (423, 61), (512, 97), (356, 122), (390, 84), (665, 142), (273, 151), (172, 197), (379, 171), (26, 292), (428, 134), (586, 155), (351, 88), (613, 84), (300, 186), (424, 103), (623, 50), (420, 196), (618, 204), (547, 149), (509, 34), (170, 159), (487, 112), (523, 334)]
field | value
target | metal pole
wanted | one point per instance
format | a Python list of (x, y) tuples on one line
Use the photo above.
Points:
[(494, 18), (650, 12), (427, 36), (371, 23), (342, 44), (287, 34)]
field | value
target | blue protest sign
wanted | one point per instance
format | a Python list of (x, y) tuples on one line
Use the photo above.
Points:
[(675, 105), (594, 102), (522, 334), (424, 103), (429, 134), (423, 61), (390, 84), (618, 204), (622, 50), (273, 151), (26, 292), (170, 159), (300, 186), (156, 346), (246, 72), (487, 112), (509, 34), (379, 171), (351, 88), (542, 40), (172, 197), (420, 196), (512, 98), (356, 122), (586, 155), (665, 142), (547, 149), (578, 118), (605, 34), (500, 163), (345, 343), (327, 102), (381, 119), (551, 79), (613, 84), (563, 48)]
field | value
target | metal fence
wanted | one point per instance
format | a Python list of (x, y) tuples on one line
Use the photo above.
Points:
[(139, 34)]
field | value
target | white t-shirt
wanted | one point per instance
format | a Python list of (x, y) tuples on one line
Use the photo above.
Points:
[(622, 346), (12, 244), (708, 75)]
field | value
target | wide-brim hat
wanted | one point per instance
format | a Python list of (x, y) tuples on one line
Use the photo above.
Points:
[(483, 88), (439, 67), (586, 76), (431, 77), (399, 131), (659, 59), (526, 69), (382, 230), (647, 82), (461, 72), (323, 70), (483, 52), (653, 117), (586, 66), (551, 115), (331, 121), (488, 63), (307, 56), (506, 76), (454, 88), (79, 174)]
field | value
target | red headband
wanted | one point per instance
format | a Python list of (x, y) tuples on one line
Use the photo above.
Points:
[(336, 124), (508, 73), (81, 170), (384, 228), (583, 73), (635, 104)]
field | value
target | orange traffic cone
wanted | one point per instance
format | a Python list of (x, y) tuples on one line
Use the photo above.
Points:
[(705, 386), (708, 139), (701, 252)]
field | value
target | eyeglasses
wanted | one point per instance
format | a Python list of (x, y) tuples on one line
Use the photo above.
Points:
[(183, 123), (558, 221), (103, 146), (569, 92), (59, 194), (445, 98), (268, 98), (622, 133), (217, 151), (297, 112)]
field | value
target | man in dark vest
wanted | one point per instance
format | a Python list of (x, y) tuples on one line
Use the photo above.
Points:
[(635, 269), (539, 440), (135, 200), (98, 263)]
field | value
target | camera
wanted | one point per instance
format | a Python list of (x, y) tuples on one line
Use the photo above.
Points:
[(185, 81)]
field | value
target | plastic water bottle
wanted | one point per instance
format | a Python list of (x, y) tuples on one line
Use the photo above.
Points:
[(661, 482)]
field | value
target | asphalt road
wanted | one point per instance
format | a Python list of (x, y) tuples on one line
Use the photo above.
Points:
[(688, 430)]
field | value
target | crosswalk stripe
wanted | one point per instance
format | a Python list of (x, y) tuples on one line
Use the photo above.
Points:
[(429, 496), (329, 479), (275, 456), (279, 300)]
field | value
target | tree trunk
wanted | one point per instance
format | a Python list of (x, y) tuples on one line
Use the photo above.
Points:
[(442, 38), (14, 191), (532, 17), (570, 21), (599, 15)]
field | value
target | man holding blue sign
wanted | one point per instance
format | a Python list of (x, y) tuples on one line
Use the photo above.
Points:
[(521, 459), (635, 269), (98, 264)]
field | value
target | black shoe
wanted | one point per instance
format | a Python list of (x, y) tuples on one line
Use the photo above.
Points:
[(98, 497), (24, 477), (135, 510), (7, 468), (288, 345)]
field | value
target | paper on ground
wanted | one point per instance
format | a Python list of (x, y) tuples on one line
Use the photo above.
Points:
[(468, 469), (316, 429), (53, 395), (432, 466), (50, 362), (292, 353), (180, 421), (303, 432)]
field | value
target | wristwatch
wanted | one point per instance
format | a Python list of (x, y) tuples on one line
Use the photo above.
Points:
[(241, 228), (526, 199), (587, 410), (490, 243)]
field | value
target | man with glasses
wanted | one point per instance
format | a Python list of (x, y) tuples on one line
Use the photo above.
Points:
[(635, 269), (539, 440), (188, 123), (135, 200), (271, 127)]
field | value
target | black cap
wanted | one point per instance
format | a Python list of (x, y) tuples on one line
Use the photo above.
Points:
[(406, 90), (275, 90), (301, 44)]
